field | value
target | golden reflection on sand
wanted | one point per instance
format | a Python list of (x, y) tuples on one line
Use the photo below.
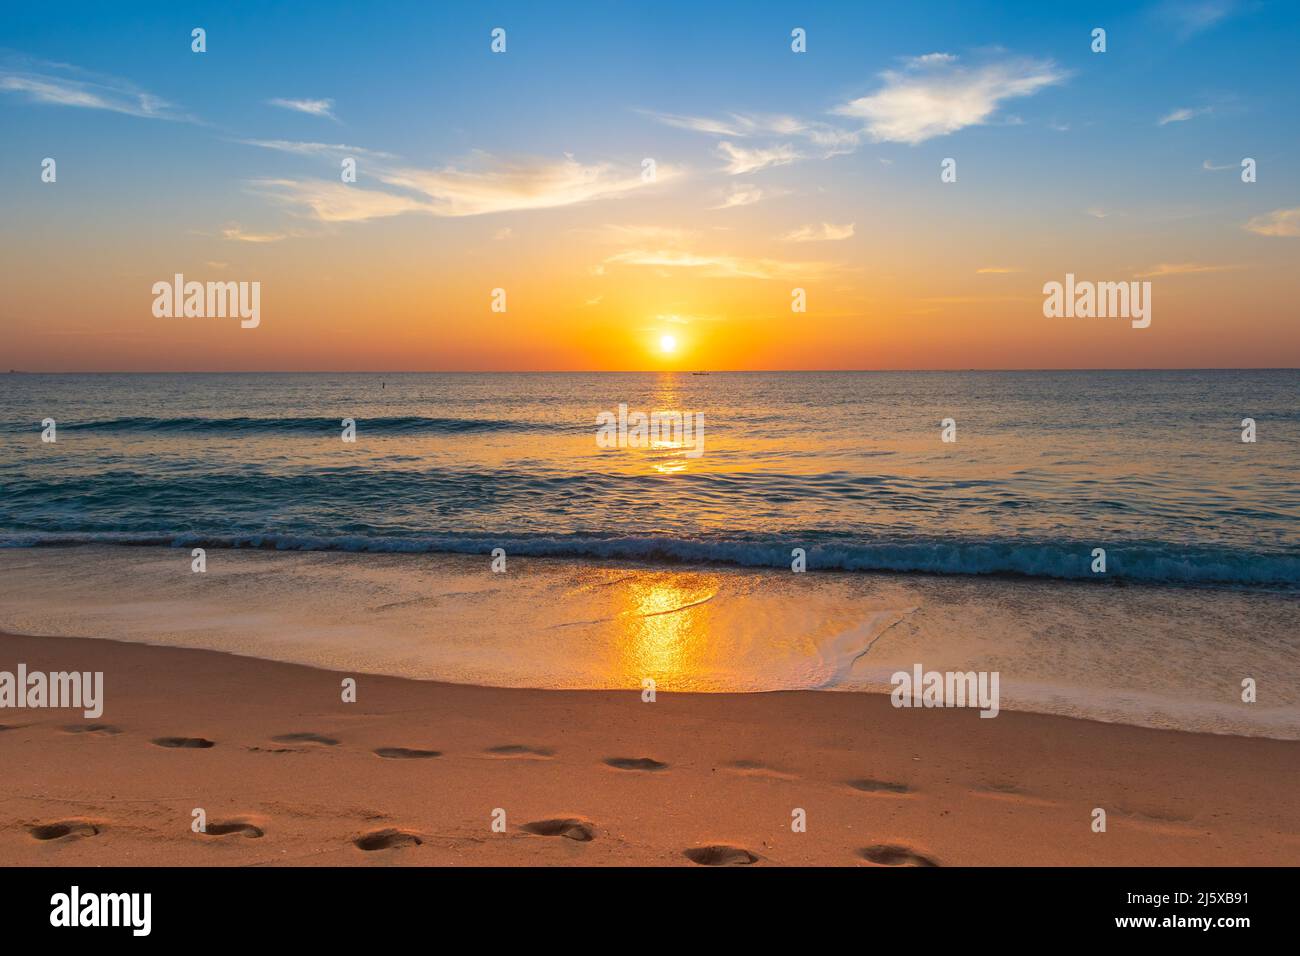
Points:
[(663, 629)]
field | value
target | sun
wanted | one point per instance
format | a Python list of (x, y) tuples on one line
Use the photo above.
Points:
[(667, 343)]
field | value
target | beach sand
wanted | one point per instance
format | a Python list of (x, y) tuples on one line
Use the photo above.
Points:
[(293, 775)]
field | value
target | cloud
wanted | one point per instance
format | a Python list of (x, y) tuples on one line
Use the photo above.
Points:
[(1181, 269), (236, 234), (1181, 115), (499, 186), (742, 194), (722, 266), (741, 160), (1190, 18), (996, 271), (934, 96), (87, 92), (829, 140), (490, 185), (311, 107), (1279, 222), (826, 232), (330, 201), (315, 149), (1214, 169)]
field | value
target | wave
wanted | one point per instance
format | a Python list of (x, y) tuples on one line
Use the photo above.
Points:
[(1149, 563), (393, 424)]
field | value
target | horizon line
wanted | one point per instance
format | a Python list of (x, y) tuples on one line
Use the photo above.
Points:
[(645, 371)]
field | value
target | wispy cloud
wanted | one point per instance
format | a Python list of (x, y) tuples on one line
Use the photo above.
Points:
[(330, 201), (311, 107), (315, 149), (236, 233), (825, 232), (1181, 269), (1279, 222), (488, 185), (498, 185), (1215, 169), (62, 85), (996, 271), (722, 266), (732, 124), (1182, 115), (1190, 17), (934, 95), (827, 139), (742, 194), (741, 160)]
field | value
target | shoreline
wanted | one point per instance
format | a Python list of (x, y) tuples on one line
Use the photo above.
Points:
[(1154, 657), (879, 786)]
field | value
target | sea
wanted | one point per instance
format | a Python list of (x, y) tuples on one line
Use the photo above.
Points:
[(1105, 540)]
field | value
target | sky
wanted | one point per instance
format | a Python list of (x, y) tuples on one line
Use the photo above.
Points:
[(648, 184)]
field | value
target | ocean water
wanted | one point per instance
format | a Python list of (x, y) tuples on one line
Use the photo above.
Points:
[(1047, 466)]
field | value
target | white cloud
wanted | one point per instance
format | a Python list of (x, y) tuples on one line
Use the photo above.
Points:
[(236, 234), (934, 96), (98, 93), (826, 232), (831, 140), (1279, 222), (315, 149), (741, 160), (1216, 169), (1190, 17), (742, 194), (722, 266), (1181, 115), (497, 185), (311, 107), (1180, 269), (490, 185)]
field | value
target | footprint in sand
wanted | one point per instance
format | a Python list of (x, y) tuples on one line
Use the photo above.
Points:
[(242, 827), (635, 763), (64, 830), (719, 854), (879, 786), (187, 743), (387, 839), (571, 828), (107, 730), (405, 753), (305, 738), (520, 750), (891, 854)]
